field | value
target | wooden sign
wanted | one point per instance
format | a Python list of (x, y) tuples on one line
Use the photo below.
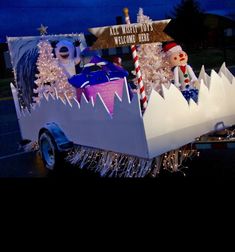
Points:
[(129, 34)]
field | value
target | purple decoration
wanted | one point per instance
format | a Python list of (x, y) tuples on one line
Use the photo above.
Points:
[(106, 90), (97, 73)]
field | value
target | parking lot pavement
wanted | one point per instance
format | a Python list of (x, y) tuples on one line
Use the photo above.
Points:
[(14, 162), (9, 129), (21, 165)]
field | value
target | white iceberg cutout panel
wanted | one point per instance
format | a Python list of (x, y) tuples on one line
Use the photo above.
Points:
[(91, 124), (168, 122), (171, 122)]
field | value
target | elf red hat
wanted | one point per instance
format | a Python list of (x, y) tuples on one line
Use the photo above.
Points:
[(171, 47), (117, 60)]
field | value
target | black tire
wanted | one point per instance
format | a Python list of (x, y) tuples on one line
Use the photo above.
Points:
[(49, 152)]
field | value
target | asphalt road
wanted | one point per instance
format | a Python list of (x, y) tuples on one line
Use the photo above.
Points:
[(14, 162)]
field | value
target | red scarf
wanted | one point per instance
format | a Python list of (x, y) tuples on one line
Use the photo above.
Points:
[(183, 69)]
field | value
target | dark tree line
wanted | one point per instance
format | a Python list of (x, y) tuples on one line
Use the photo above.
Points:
[(187, 25)]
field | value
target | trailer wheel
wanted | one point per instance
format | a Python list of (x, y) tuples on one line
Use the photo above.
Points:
[(49, 150)]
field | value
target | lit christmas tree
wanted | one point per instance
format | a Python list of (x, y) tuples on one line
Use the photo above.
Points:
[(155, 68), (51, 79)]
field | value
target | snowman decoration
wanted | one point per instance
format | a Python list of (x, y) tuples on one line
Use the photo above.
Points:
[(68, 55), (184, 77)]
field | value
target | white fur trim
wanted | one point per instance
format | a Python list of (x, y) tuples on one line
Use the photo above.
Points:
[(89, 64), (174, 50), (98, 64), (191, 73), (101, 63), (84, 84)]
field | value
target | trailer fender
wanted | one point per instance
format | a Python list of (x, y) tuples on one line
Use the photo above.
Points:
[(62, 142)]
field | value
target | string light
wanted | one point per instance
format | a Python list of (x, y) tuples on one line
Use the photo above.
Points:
[(108, 163), (111, 164), (173, 160), (226, 135)]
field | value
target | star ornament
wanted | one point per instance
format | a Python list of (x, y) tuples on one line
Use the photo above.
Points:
[(42, 29)]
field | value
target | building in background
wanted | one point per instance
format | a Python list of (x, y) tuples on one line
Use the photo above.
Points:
[(220, 30)]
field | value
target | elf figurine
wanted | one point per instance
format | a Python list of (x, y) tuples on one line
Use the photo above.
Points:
[(184, 77)]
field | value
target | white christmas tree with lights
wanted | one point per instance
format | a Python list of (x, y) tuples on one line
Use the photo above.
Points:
[(50, 78), (155, 68)]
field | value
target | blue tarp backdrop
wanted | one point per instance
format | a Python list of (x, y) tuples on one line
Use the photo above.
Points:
[(22, 17)]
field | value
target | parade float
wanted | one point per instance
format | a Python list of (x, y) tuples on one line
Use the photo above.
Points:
[(94, 116)]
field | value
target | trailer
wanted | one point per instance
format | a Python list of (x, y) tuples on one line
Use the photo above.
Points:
[(107, 130)]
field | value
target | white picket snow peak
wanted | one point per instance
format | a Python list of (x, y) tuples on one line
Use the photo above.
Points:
[(204, 76)]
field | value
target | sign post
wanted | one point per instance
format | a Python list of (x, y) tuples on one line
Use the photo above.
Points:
[(143, 97)]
